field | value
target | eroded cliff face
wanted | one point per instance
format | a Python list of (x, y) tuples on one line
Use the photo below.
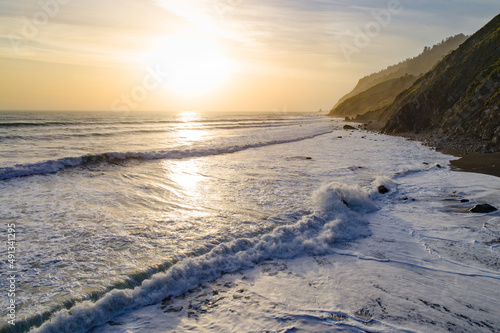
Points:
[(477, 113), (458, 99)]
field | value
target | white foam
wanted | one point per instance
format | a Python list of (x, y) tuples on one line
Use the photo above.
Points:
[(337, 196), (315, 233)]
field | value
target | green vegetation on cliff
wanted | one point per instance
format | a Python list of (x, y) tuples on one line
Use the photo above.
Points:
[(379, 96), (413, 66), (459, 98)]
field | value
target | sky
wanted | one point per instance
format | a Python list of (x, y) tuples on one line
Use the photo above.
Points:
[(212, 55)]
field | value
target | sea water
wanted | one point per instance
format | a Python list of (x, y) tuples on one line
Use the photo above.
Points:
[(114, 212)]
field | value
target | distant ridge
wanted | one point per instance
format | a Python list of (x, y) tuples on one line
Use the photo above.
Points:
[(374, 98), (414, 67)]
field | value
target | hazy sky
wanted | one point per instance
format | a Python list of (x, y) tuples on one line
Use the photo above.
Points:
[(262, 55)]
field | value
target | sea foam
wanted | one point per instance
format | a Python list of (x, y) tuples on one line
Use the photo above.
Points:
[(330, 222)]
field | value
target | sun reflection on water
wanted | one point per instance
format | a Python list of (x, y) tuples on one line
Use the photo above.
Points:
[(189, 130), (188, 136), (186, 181), (188, 116)]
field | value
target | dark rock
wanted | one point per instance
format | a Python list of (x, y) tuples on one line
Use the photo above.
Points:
[(339, 137), (405, 198), (114, 323), (347, 119), (344, 202), (308, 158), (438, 166), (493, 242), (464, 200), (349, 127), (382, 189), (483, 208), (173, 309)]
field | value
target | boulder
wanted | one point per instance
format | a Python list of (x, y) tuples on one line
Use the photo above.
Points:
[(483, 208), (382, 189), (349, 127)]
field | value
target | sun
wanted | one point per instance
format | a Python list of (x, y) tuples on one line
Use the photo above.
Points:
[(193, 63)]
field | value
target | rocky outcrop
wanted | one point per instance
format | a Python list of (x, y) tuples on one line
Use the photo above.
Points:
[(483, 208)]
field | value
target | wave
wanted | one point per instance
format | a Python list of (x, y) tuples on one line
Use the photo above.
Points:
[(53, 137), (131, 122), (53, 166), (331, 221), (30, 123), (244, 126)]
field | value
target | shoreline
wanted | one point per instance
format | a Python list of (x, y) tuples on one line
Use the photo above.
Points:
[(487, 163)]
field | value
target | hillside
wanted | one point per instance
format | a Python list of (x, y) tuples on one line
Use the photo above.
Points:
[(457, 103), (415, 66), (379, 96)]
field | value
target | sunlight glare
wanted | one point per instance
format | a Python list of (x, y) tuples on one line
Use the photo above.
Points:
[(188, 116), (187, 131), (194, 62)]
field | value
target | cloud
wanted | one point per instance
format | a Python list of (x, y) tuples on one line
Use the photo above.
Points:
[(258, 29), (272, 40), (106, 31)]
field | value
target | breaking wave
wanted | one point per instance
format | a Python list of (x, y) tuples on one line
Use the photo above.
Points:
[(53, 166), (337, 216)]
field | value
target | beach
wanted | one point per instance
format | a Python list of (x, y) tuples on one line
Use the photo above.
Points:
[(216, 225), (249, 166), (409, 275)]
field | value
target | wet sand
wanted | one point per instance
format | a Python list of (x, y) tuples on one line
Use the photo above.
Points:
[(481, 163)]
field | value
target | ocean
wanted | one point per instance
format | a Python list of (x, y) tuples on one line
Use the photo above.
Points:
[(107, 216)]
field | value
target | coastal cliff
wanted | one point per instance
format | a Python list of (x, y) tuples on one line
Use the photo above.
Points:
[(456, 105), (374, 98), (379, 89)]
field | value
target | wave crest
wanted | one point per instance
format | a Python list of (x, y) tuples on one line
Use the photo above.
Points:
[(315, 233), (53, 166)]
